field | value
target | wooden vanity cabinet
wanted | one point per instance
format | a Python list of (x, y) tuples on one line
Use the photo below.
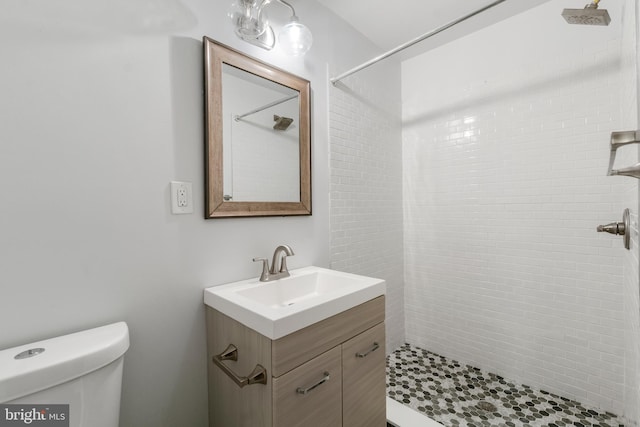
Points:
[(320, 406), (331, 373), (363, 403)]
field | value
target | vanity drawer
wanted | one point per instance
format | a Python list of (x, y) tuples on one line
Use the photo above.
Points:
[(302, 398), (364, 379), (294, 349)]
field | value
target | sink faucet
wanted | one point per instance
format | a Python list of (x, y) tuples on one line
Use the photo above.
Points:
[(279, 256)]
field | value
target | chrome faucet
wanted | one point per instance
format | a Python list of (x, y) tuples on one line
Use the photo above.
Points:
[(279, 258)]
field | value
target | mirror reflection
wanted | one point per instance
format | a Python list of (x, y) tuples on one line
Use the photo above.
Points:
[(260, 138)]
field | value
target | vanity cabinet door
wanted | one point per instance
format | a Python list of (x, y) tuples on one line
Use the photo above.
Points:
[(364, 379), (230, 405), (311, 394)]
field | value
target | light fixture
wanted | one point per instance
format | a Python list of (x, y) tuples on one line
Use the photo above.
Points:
[(252, 26)]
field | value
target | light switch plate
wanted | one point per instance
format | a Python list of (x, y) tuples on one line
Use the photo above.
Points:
[(181, 197)]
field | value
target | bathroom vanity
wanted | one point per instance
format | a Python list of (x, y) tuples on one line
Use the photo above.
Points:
[(329, 371)]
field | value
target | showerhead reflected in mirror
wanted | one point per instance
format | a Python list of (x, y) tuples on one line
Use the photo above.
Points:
[(258, 137), (261, 159)]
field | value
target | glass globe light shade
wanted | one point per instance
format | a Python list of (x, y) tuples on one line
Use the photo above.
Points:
[(251, 27), (248, 19), (295, 39)]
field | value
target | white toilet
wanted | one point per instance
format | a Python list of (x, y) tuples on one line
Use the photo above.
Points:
[(83, 370)]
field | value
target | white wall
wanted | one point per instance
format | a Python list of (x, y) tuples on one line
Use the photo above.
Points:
[(102, 106), (506, 137), (261, 164)]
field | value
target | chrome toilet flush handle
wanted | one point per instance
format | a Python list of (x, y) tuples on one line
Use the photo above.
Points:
[(619, 229)]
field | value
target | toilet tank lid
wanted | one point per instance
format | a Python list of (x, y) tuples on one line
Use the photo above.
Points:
[(64, 359)]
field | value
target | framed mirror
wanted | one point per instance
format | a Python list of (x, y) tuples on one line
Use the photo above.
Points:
[(258, 137)]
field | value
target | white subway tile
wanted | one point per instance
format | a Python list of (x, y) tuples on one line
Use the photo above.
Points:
[(500, 242)]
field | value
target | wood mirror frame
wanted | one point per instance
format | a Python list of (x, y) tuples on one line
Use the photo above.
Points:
[(215, 54)]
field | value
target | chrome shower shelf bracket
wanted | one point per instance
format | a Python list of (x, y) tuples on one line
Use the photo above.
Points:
[(619, 139)]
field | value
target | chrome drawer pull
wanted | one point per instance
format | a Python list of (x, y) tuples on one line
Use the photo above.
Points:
[(371, 350), (303, 391), (257, 376)]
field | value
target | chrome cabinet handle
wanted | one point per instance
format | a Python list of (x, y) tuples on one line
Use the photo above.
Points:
[(371, 350), (257, 376), (305, 391)]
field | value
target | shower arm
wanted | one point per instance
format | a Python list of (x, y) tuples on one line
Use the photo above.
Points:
[(620, 139)]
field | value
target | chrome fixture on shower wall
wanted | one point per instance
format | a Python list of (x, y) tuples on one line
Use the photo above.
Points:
[(252, 26), (619, 229), (619, 139), (281, 123), (590, 15)]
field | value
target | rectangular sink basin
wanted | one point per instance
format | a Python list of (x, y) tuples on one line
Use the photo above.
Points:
[(280, 307)]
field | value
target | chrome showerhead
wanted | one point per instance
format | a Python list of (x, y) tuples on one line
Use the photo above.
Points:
[(282, 123), (590, 15)]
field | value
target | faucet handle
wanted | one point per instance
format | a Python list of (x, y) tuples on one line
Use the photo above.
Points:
[(264, 277)]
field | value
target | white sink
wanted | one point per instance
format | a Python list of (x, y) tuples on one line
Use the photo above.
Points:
[(283, 306)]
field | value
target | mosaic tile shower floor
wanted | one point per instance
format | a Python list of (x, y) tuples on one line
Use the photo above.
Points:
[(457, 395)]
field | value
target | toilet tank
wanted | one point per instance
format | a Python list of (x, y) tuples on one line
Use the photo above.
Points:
[(82, 370)]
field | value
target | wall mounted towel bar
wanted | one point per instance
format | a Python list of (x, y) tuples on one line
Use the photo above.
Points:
[(257, 376)]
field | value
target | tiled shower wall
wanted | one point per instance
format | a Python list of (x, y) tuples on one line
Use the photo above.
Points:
[(505, 139), (366, 184), (631, 120)]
